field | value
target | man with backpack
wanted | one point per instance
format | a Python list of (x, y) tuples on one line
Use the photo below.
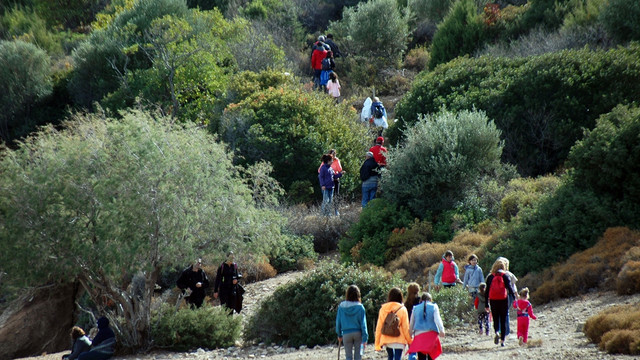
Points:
[(378, 114)]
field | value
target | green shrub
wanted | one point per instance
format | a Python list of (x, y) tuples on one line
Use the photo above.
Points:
[(524, 193), (292, 128), (541, 103), (25, 24), (369, 235), (454, 305), (442, 156), (293, 249), (417, 59), (315, 298), (25, 79), (404, 239), (583, 13), (621, 18), (187, 329), (460, 33)]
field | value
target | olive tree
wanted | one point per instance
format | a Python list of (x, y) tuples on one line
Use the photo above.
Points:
[(442, 156), (103, 200), (25, 77)]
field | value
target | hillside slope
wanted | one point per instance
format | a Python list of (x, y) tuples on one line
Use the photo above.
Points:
[(557, 334)]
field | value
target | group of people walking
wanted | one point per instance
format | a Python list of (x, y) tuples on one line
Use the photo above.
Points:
[(415, 325), (323, 54), (193, 282)]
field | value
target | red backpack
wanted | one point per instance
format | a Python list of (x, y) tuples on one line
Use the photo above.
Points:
[(498, 291)]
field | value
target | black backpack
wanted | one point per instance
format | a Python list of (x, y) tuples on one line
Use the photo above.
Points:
[(326, 64), (378, 111)]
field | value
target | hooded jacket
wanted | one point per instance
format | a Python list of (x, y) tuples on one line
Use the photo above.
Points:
[(473, 276), (405, 337), (105, 340), (351, 318)]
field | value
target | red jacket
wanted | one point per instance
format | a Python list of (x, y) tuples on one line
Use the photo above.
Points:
[(317, 57), (448, 272), (378, 155)]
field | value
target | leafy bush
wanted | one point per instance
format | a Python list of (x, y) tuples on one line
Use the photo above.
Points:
[(541, 103), (187, 329), (417, 59), (454, 306), (292, 128), (361, 29), (441, 157), (315, 299), (326, 231), (24, 24), (294, 249), (459, 33), (25, 78), (366, 241), (607, 160), (616, 329), (525, 193), (621, 18), (253, 267), (404, 239), (594, 268), (583, 13)]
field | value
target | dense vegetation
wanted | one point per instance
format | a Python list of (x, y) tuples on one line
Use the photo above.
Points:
[(139, 134)]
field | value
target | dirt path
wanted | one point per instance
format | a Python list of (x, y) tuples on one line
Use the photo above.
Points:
[(557, 334)]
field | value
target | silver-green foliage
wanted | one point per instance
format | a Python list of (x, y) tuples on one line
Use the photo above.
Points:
[(104, 198), (376, 28), (442, 156), (25, 77)]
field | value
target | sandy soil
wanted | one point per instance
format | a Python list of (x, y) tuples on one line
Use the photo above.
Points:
[(557, 334)]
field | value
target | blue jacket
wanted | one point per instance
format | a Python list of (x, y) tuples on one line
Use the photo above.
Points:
[(472, 277), (326, 176), (351, 318), (426, 317)]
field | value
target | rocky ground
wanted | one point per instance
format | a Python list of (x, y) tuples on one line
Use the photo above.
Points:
[(557, 334)]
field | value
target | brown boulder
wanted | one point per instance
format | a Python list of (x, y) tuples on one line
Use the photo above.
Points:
[(38, 322)]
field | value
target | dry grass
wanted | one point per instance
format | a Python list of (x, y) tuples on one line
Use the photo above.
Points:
[(616, 330), (594, 268), (415, 264)]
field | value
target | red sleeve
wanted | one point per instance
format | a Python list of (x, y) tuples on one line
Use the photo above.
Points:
[(476, 302)]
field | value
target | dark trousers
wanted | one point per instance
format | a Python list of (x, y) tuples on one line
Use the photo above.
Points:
[(499, 310), (422, 356)]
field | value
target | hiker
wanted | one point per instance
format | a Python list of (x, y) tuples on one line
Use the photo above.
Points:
[(473, 276), (514, 289), (318, 54), (499, 289), (378, 114), (379, 152), (392, 329), (195, 279), (413, 299), (103, 345), (336, 166), (480, 304), (524, 311), (427, 327), (226, 280), (334, 47), (369, 175), (333, 87), (351, 324), (447, 273), (328, 65), (80, 343), (326, 176)]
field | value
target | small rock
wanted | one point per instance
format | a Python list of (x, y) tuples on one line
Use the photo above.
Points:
[(302, 347)]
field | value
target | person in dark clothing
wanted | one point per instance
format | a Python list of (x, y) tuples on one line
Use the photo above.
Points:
[(103, 345), (226, 280), (334, 48), (369, 176), (81, 343), (196, 280)]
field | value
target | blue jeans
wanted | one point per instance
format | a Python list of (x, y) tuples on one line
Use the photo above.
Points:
[(327, 198), (394, 354), (368, 192)]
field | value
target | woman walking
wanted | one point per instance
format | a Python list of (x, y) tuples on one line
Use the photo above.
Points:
[(499, 288), (391, 334), (351, 324)]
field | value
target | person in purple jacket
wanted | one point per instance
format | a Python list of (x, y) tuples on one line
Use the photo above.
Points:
[(326, 177)]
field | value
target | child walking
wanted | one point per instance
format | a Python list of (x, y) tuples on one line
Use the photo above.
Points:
[(473, 276), (333, 86), (481, 305), (525, 311)]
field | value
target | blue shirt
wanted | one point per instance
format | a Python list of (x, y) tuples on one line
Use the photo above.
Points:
[(351, 318)]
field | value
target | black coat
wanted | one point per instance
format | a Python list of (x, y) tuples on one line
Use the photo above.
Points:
[(368, 169), (189, 279)]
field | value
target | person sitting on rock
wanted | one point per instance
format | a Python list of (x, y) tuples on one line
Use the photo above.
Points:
[(80, 343), (103, 345)]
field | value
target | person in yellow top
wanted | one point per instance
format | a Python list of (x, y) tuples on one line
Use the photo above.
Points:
[(394, 344)]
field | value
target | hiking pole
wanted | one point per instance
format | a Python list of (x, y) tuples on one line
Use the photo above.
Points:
[(339, 343)]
